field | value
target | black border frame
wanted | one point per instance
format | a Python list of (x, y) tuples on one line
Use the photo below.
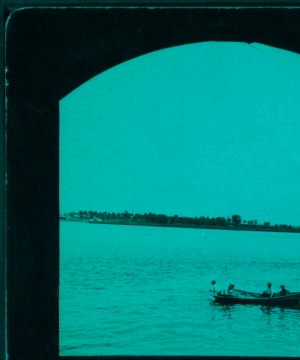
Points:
[(49, 52)]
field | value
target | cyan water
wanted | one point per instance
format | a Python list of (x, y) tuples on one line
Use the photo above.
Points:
[(131, 290)]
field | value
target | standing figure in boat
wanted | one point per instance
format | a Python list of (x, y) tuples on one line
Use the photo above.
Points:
[(269, 291), (214, 288)]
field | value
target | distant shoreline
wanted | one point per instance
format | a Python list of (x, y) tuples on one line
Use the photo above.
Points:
[(188, 226)]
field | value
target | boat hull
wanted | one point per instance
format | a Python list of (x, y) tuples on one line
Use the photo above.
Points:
[(289, 300)]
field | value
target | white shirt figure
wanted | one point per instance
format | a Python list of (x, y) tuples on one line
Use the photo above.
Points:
[(269, 291), (214, 289)]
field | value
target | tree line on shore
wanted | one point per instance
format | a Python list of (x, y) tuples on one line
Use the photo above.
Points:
[(151, 218)]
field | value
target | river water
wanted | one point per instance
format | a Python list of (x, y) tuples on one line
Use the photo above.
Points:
[(137, 290)]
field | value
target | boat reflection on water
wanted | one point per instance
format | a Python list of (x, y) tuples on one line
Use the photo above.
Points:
[(271, 309)]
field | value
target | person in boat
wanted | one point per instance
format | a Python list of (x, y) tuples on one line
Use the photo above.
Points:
[(269, 291), (227, 290), (215, 290), (283, 291)]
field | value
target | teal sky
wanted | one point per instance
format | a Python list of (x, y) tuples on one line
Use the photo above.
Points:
[(208, 129)]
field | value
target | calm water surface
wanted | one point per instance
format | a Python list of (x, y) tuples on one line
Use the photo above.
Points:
[(130, 290)]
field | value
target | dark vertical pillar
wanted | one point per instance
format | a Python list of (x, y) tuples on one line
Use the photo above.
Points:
[(32, 193), (32, 235), (2, 196)]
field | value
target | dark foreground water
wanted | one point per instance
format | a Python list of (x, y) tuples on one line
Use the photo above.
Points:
[(130, 290)]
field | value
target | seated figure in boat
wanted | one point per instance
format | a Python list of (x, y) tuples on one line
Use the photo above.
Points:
[(227, 290), (269, 291), (215, 290), (283, 291)]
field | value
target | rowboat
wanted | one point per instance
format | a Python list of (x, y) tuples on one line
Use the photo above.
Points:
[(246, 297)]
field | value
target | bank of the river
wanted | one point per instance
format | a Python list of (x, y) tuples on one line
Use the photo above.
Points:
[(240, 227)]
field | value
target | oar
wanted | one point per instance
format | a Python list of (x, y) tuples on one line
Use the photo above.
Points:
[(247, 292)]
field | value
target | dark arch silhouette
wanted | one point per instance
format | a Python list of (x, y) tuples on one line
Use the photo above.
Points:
[(50, 52)]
